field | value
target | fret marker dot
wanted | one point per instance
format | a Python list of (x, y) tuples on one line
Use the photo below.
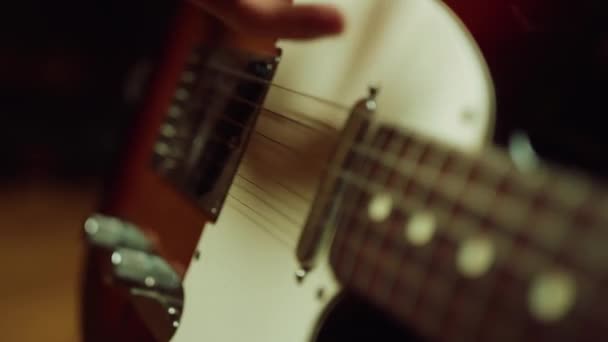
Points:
[(182, 94), (380, 207), (475, 256), (168, 131), (162, 149), (551, 296), (420, 228)]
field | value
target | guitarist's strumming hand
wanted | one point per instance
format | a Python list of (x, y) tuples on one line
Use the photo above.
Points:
[(276, 18)]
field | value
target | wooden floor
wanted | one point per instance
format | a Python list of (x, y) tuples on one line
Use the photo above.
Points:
[(40, 250)]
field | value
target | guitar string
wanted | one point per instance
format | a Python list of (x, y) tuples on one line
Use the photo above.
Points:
[(386, 159), (265, 202), (357, 148), (417, 264), (345, 109), (290, 90), (290, 118), (525, 278), (384, 155), (287, 245), (456, 241), (326, 129), (244, 76), (277, 113), (277, 223)]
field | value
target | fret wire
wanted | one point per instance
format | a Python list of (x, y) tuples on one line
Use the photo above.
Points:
[(522, 277), (346, 213), (432, 304), (426, 253), (455, 234), (566, 237), (396, 142), (356, 147), (505, 227), (560, 250), (489, 160), (438, 315), (433, 299), (455, 239), (490, 286), (362, 226), (392, 283)]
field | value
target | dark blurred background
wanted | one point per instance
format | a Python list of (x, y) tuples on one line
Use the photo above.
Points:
[(72, 74)]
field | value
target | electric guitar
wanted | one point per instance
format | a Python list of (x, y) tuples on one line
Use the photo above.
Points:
[(332, 214)]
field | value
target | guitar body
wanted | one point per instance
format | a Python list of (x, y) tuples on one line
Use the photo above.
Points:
[(138, 195), (432, 79), (450, 72)]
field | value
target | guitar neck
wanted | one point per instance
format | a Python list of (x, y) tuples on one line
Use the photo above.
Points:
[(447, 240)]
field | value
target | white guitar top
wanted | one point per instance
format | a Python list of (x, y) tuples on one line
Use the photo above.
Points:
[(432, 80)]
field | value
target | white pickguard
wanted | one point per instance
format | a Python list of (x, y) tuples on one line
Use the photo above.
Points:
[(432, 80)]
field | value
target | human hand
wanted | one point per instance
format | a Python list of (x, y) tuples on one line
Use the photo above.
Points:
[(276, 18)]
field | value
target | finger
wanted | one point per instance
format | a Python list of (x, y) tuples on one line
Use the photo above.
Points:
[(297, 22), (278, 19)]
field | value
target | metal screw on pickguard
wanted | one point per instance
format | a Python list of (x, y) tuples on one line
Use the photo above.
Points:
[(197, 254), (371, 98), (373, 91), (320, 293), (175, 324), (300, 275), (468, 116)]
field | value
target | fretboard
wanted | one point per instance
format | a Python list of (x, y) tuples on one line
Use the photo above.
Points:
[(471, 248)]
